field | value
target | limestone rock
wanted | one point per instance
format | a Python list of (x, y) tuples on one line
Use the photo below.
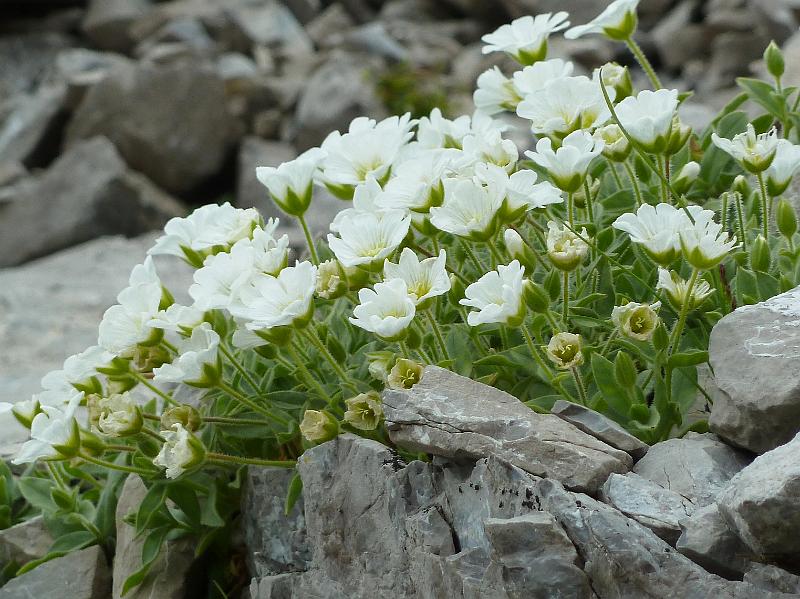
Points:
[(26, 60), (696, 466), (180, 140), (254, 152), (452, 416), (86, 193), (755, 354), (79, 575), (30, 133), (600, 427), (761, 503), (23, 542), (167, 578), (276, 542), (107, 22), (707, 540), (653, 506), (772, 578), (80, 69)]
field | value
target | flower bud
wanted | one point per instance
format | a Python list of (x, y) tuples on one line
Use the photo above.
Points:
[(26, 411), (579, 197), (517, 249), (564, 350), (405, 374), (676, 289), (617, 148), (184, 414), (331, 280), (119, 416), (364, 411), (742, 186), (624, 28), (380, 363), (181, 451), (147, 358), (760, 255), (319, 426), (91, 443), (72, 445), (564, 248), (618, 77), (685, 177), (786, 218), (678, 136), (773, 58), (636, 321), (537, 299)]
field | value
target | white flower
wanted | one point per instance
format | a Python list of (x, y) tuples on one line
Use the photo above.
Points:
[(617, 21), (205, 229), (783, 167), (754, 152), (523, 190), (525, 39), (469, 209), (417, 183), (368, 149), (219, 282), (367, 239), (684, 178), (636, 321), (424, 279), (435, 131), (495, 93), (704, 244), (676, 289), (616, 77), (365, 200), (54, 432), (658, 228), (180, 452), (497, 296), (195, 354), (564, 248), (615, 145), (177, 318), (285, 300), (564, 350), (564, 105), (269, 254), (291, 183), (77, 370), (491, 147), (535, 77), (647, 117), (386, 311), (119, 415), (568, 164), (125, 325)]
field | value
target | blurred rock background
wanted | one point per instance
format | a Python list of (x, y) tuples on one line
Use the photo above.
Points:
[(116, 115)]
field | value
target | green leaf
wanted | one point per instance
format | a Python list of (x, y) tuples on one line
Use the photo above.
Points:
[(764, 94), (185, 498), (624, 370), (210, 516), (691, 357), (36, 491), (150, 506), (604, 378), (72, 541), (293, 494)]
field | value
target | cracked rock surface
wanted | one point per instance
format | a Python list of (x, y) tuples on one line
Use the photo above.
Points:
[(455, 417)]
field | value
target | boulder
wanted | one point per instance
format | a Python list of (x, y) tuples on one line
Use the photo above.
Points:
[(697, 466), (78, 575), (755, 354), (23, 542), (329, 23), (600, 427), (452, 416), (707, 539), (271, 24), (336, 93), (107, 22), (26, 60), (276, 542), (168, 122), (254, 152), (80, 69), (649, 504), (761, 503), (772, 578), (168, 576), (30, 133), (86, 193)]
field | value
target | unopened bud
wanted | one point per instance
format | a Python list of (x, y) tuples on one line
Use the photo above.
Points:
[(760, 255), (773, 58), (786, 218), (185, 415), (537, 299)]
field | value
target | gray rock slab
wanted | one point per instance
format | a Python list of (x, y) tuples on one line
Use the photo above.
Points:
[(755, 354), (168, 576), (599, 426), (697, 466), (168, 122), (761, 503), (88, 192), (30, 134), (107, 22), (23, 542), (707, 540), (276, 542), (651, 505), (772, 578), (452, 416), (79, 575)]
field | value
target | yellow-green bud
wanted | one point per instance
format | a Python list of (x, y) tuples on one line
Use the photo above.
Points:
[(760, 258), (380, 363), (773, 58), (364, 411), (786, 218), (537, 299), (685, 177), (679, 135), (331, 280), (184, 414), (405, 374), (319, 426)]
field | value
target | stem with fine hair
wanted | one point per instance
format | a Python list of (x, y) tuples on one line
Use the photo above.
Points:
[(634, 183), (155, 389), (238, 366), (113, 466), (232, 459), (571, 209), (309, 380), (437, 333), (240, 397), (764, 205), (565, 291), (740, 218), (641, 58), (309, 239), (580, 386)]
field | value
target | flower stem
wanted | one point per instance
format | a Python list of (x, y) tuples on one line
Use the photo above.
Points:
[(588, 192), (580, 386), (740, 218), (676, 332), (231, 459), (240, 397), (155, 389), (471, 255), (764, 205), (643, 62), (664, 191), (313, 336), (238, 366), (113, 466), (535, 354), (565, 291), (612, 167), (634, 183), (309, 239), (437, 333), (153, 434), (56, 475), (571, 209), (233, 421), (310, 381), (494, 252)]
